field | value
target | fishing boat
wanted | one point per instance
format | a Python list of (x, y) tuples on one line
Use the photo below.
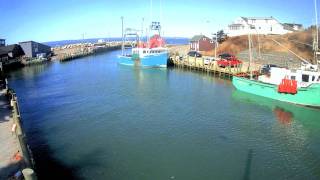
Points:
[(152, 53), (298, 86)]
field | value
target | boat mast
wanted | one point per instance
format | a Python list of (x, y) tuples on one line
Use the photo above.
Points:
[(160, 16), (250, 54), (316, 41), (150, 21), (250, 49)]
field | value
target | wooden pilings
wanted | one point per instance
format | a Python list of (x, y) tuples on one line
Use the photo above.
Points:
[(28, 162), (201, 64)]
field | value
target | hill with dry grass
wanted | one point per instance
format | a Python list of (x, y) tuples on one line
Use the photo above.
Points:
[(298, 42)]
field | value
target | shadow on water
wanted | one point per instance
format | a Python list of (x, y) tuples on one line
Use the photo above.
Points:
[(46, 166), (284, 112), (8, 171), (247, 170)]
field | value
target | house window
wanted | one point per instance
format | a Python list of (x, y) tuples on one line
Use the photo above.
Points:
[(293, 77), (211, 42), (305, 78), (204, 39), (253, 21)]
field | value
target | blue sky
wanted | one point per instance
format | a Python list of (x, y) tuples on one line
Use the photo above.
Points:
[(45, 20)]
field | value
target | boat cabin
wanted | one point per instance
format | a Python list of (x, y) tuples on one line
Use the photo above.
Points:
[(304, 78), (148, 51)]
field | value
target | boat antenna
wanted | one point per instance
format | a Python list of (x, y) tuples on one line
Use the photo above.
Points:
[(142, 28), (160, 15), (150, 11)]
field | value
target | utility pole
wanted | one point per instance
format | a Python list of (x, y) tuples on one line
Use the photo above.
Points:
[(122, 46), (250, 54), (83, 45), (217, 45)]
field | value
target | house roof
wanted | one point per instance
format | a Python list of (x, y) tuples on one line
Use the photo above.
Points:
[(33, 42), (26, 42), (288, 27), (198, 37), (293, 24), (235, 25), (4, 50), (258, 18)]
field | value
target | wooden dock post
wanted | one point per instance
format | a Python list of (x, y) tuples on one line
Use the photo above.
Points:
[(29, 174)]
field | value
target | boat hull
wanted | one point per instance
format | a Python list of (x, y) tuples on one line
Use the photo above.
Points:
[(309, 96), (158, 60)]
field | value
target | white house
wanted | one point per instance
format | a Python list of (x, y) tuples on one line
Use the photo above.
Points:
[(257, 25)]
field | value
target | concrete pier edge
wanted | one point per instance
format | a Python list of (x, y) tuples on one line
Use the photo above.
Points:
[(28, 162)]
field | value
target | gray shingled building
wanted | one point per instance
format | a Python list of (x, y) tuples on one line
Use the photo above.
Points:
[(34, 49)]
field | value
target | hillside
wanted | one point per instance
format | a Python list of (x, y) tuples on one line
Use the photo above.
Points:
[(298, 42)]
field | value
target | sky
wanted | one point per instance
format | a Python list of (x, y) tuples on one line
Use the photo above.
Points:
[(53, 20)]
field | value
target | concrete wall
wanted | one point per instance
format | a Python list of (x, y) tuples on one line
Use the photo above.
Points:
[(31, 48)]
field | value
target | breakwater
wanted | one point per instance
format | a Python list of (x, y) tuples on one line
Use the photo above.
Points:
[(74, 51)]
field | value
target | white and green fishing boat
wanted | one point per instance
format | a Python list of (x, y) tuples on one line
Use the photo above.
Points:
[(306, 91), (298, 86)]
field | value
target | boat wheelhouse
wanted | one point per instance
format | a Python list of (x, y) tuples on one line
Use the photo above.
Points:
[(145, 54)]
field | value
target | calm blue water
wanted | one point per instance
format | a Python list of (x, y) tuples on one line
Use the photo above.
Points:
[(94, 119)]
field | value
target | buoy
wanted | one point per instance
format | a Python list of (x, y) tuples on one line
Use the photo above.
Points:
[(17, 156)]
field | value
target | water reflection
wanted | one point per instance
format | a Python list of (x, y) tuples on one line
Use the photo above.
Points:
[(28, 72), (283, 116), (285, 113)]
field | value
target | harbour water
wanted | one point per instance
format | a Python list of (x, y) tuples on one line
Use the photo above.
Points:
[(95, 119)]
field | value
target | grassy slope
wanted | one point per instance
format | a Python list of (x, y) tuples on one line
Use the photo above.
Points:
[(292, 41)]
